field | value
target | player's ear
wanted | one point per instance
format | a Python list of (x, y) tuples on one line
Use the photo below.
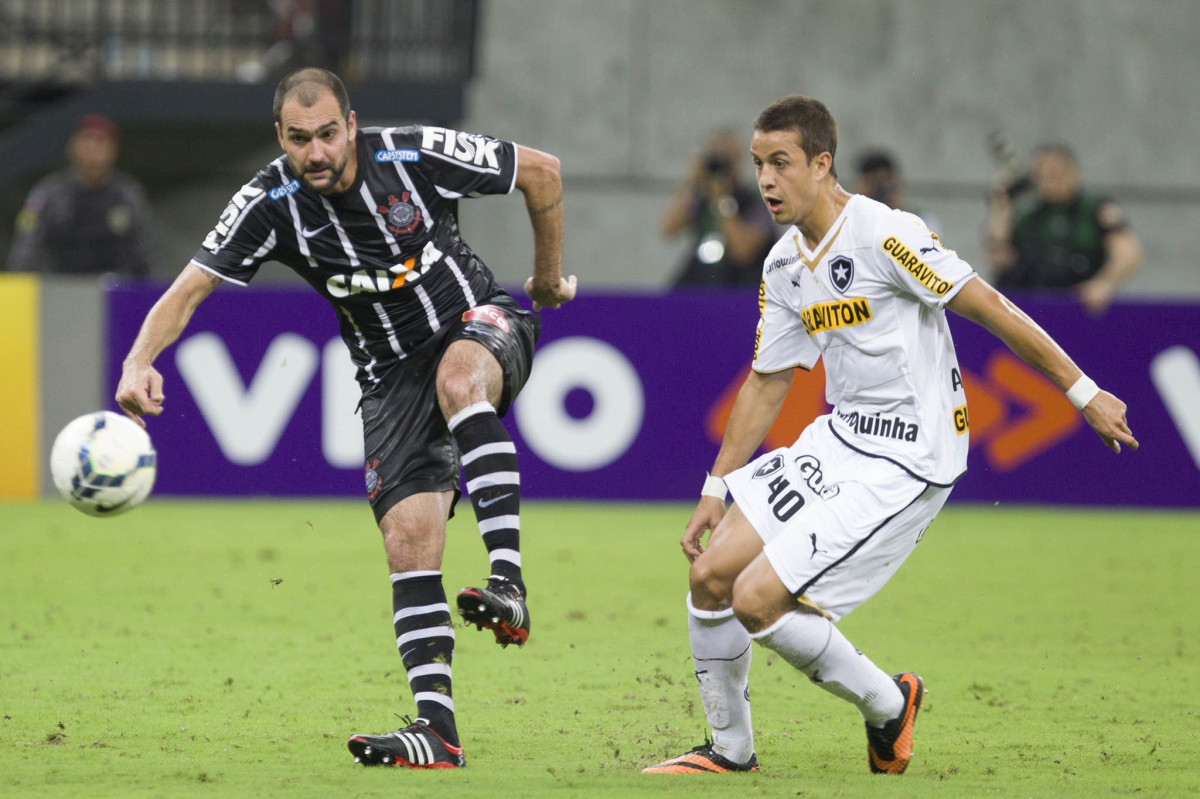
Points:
[(824, 164), (279, 135), (351, 124)]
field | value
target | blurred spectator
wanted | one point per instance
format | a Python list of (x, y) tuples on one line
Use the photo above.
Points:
[(1060, 237), (879, 179), (87, 218), (730, 228)]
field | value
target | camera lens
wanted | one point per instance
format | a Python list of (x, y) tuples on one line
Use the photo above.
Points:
[(717, 165)]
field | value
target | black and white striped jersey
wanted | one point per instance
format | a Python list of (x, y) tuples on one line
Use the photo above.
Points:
[(387, 252)]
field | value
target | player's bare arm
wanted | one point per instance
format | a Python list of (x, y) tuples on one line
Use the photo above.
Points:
[(754, 411), (987, 307), (140, 391), (539, 178)]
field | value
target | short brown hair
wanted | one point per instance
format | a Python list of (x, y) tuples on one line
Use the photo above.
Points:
[(1064, 151), (307, 84), (810, 119)]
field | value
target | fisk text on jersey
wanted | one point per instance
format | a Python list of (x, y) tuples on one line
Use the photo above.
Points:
[(470, 148)]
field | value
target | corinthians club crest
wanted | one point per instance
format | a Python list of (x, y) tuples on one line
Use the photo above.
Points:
[(402, 216), (841, 273)]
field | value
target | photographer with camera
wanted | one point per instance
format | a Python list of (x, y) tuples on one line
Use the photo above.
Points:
[(731, 229), (1044, 231)]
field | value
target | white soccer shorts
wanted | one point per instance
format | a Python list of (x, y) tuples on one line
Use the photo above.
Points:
[(836, 524)]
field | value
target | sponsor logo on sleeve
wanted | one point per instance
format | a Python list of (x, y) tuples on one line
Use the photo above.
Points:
[(488, 314), (391, 156), (780, 263), (912, 264), (935, 244), (762, 313), (469, 148), (279, 192), (836, 314), (961, 424)]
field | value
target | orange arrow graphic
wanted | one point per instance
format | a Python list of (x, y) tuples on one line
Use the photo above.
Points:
[(1049, 416), (1008, 441), (805, 401)]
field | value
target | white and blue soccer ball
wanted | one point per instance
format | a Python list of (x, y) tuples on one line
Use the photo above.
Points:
[(103, 464)]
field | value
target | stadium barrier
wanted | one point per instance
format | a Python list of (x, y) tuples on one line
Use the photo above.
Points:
[(20, 424), (630, 392), (627, 401)]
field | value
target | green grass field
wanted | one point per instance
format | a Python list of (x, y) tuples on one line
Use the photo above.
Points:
[(228, 649)]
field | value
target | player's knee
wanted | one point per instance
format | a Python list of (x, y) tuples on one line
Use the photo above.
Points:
[(710, 589), (458, 389), (749, 604)]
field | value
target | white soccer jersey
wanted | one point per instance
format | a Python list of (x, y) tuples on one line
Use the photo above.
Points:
[(871, 300)]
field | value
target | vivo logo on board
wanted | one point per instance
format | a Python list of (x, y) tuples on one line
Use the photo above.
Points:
[(247, 421)]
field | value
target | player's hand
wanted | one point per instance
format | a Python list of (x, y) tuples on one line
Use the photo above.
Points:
[(1106, 414), (708, 514), (550, 295), (140, 392)]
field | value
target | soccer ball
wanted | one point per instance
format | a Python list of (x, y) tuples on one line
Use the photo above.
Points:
[(103, 464)]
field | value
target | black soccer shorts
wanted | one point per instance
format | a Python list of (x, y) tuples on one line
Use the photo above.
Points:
[(408, 446)]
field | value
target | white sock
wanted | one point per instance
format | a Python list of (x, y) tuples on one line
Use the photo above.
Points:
[(814, 646), (721, 651)]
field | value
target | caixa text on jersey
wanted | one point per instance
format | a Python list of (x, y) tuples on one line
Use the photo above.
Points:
[(380, 280)]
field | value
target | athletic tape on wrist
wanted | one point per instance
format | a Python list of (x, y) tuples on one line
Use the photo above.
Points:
[(1084, 390), (714, 487)]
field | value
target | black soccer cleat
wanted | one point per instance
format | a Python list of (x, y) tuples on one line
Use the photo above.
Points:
[(500, 607), (414, 746)]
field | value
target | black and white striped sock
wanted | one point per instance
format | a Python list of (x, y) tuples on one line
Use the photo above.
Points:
[(489, 462), (425, 638)]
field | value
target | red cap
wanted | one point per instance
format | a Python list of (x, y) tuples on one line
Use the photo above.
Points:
[(97, 124)]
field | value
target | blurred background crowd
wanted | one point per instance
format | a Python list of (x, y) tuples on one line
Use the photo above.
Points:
[(1047, 143)]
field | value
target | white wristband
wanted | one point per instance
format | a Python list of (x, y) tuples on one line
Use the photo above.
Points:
[(714, 487), (1084, 390)]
